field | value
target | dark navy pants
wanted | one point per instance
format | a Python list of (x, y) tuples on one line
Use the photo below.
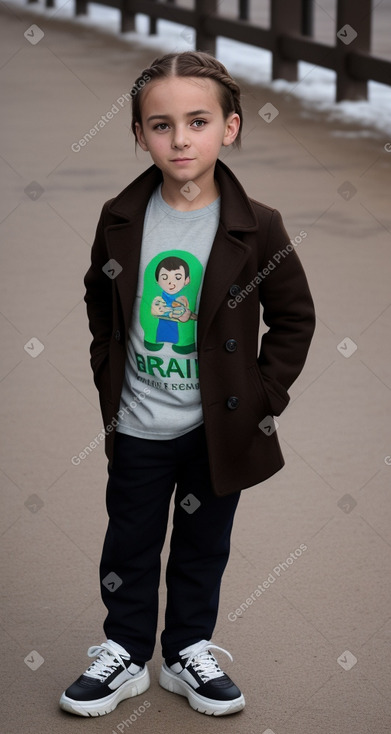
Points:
[(142, 478)]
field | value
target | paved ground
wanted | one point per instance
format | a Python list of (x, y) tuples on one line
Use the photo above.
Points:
[(312, 653)]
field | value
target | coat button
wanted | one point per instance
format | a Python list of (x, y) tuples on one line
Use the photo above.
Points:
[(117, 335), (232, 402), (234, 289), (231, 345)]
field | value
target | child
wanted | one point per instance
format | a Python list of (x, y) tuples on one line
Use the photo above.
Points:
[(204, 423), (172, 274)]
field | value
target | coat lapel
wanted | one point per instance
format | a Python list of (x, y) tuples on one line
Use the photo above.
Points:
[(229, 253), (124, 240)]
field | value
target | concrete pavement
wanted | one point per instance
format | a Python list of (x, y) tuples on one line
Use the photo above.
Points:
[(312, 652)]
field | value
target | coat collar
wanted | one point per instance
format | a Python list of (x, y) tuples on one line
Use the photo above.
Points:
[(236, 210)]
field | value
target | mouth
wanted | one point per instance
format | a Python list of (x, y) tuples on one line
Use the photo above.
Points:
[(181, 160)]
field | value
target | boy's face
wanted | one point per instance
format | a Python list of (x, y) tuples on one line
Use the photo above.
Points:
[(183, 127), (172, 281)]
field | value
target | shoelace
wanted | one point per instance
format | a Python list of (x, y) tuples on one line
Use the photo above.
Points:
[(204, 662), (105, 664)]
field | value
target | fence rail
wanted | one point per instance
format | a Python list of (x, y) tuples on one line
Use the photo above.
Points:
[(289, 37)]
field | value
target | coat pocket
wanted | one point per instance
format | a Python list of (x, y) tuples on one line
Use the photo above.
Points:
[(261, 402)]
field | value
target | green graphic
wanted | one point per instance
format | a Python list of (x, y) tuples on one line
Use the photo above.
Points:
[(167, 312)]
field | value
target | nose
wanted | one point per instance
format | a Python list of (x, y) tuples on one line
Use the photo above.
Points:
[(180, 138)]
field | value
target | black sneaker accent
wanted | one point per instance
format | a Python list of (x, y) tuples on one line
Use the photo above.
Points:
[(196, 674), (111, 678)]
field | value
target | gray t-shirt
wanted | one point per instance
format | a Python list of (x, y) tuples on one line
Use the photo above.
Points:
[(161, 350)]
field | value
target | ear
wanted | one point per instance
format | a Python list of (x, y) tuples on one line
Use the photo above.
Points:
[(140, 137), (232, 125)]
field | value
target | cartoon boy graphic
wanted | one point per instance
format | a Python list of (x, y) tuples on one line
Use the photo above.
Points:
[(172, 274)]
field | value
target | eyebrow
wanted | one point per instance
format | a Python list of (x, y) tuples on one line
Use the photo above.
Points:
[(188, 114)]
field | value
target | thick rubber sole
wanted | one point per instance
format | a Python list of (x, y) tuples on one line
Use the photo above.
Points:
[(139, 684), (208, 706)]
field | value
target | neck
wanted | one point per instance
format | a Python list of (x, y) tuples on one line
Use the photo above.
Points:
[(190, 195)]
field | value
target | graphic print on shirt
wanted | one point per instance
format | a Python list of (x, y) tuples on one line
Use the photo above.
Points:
[(168, 304)]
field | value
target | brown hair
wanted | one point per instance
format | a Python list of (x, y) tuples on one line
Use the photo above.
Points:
[(190, 63), (172, 263)]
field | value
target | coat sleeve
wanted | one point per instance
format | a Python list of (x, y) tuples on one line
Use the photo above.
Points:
[(98, 297), (288, 312)]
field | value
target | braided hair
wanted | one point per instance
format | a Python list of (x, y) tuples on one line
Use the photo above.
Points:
[(194, 64)]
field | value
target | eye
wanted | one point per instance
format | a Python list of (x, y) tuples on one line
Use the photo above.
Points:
[(199, 123), (161, 126)]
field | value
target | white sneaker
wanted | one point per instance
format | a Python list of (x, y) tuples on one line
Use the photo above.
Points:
[(196, 674), (111, 678)]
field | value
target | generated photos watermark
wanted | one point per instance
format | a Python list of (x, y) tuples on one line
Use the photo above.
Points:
[(34, 347), (347, 347), (34, 34), (278, 257), (34, 660), (110, 114), (276, 573), (125, 724), (347, 660), (190, 503), (77, 459)]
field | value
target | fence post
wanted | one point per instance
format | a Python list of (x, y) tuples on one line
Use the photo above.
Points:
[(307, 18), (81, 7), (205, 42), (153, 21), (243, 9), (354, 20), (152, 26), (286, 17), (127, 16)]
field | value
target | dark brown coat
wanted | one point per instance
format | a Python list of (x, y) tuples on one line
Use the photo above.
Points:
[(240, 385)]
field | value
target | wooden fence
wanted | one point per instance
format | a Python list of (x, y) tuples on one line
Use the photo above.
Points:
[(289, 37)]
